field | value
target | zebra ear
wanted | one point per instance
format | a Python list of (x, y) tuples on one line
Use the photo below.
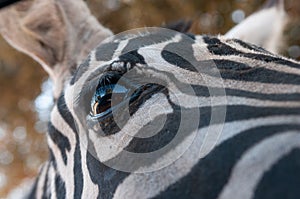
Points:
[(264, 27), (56, 33), (38, 29)]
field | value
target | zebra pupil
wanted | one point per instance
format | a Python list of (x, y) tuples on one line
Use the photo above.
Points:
[(101, 103)]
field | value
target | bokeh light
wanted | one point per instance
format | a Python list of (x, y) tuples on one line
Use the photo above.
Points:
[(238, 16)]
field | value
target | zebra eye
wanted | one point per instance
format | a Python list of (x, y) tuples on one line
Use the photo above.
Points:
[(101, 102), (109, 90)]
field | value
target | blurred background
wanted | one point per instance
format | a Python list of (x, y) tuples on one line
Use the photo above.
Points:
[(26, 92)]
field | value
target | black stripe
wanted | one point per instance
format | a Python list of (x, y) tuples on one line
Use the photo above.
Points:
[(159, 36), (242, 72), (215, 46), (52, 159), (32, 193), (60, 188), (181, 54), (45, 186), (77, 170), (60, 140), (138, 145), (282, 180), (107, 179), (163, 137), (228, 65), (262, 96), (132, 57), (243, 112), (177, 60), (105, 52), (205, 66), (170, 128), (203, 91), (262, 75), (65, 113), (267, 58), (249, 46), (206, 91), (210, 174)]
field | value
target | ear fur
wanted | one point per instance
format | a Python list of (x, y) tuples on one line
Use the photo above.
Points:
[(58, 34), (264, 27), (46, 26)]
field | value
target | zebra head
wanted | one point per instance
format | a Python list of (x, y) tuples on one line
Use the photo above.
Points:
[(155, 102), (155, 113)]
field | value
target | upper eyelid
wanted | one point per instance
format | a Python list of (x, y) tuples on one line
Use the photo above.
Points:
[(96, 73), (91, 84), (106, 68), (88, 89), (92, 80)]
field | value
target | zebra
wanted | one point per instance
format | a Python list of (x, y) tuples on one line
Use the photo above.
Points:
[(155, 113)]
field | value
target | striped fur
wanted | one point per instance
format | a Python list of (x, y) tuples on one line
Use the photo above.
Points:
[(254, 98)]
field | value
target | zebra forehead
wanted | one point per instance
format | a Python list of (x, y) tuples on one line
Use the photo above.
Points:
[(173, 47), (176, 48)]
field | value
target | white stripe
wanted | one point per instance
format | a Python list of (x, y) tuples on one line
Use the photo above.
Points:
[(108, 147), (51, 176), (90, 189), (65, 172), (255, 162), (41, 180), (153, 58), (147, 185), (189, 101)]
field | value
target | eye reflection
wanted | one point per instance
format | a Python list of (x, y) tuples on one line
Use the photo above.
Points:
[(102, 99)]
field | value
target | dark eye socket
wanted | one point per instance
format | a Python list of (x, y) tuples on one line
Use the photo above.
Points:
[(110, 86)]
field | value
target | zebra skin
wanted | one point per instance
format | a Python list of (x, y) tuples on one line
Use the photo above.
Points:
[(155, 113)]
